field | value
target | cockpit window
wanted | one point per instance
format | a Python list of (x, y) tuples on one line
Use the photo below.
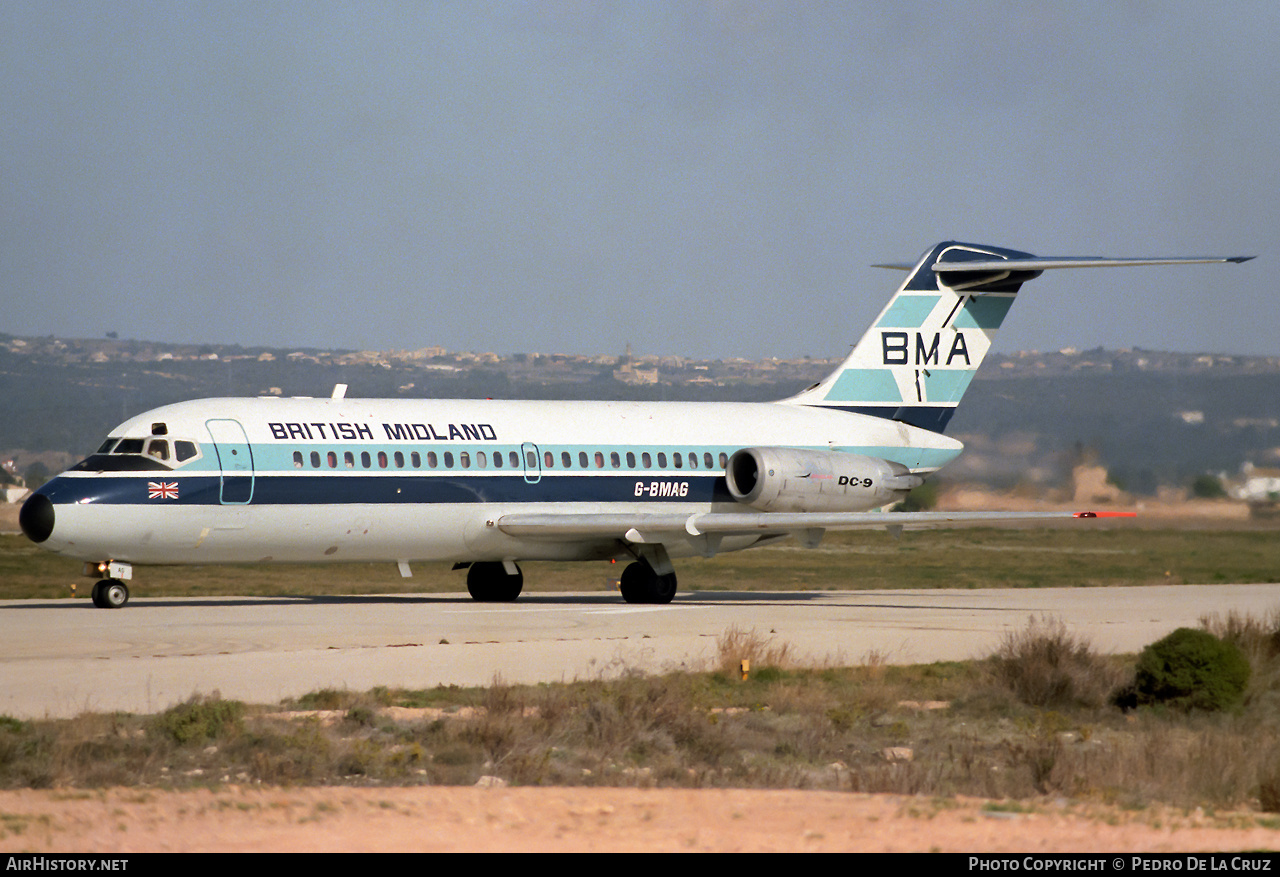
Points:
[(139, 454)]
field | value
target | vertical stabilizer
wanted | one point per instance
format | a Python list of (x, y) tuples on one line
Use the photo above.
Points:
[(917, 359)]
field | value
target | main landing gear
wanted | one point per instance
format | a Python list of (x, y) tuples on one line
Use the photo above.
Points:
[(640, 584), (494, 582)]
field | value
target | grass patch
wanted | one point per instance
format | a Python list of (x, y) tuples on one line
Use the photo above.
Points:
[(959, 558)]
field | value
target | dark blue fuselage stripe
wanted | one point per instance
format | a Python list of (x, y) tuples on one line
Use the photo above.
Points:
[(930, 417), (398, 489)]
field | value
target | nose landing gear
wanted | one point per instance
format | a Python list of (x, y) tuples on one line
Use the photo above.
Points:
[(110, 591), (110, 594)]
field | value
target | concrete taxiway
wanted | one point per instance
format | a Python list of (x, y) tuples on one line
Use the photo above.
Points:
[(62, 657)]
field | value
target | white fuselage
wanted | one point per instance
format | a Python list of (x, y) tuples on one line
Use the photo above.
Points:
[(308, 480)]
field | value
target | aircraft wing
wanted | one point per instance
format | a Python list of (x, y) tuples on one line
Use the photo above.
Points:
[(704, 530)]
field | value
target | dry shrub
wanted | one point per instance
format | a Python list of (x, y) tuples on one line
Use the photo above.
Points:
[(1269, 784), (1046, 666), (1259, 639), (873, 664), (736, 645)]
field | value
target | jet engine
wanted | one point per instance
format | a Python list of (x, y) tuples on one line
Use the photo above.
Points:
[(795, 480)]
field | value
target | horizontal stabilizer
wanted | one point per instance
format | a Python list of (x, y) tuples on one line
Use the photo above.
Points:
[(1044, 263)]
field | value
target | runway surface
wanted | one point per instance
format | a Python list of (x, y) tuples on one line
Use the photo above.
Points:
[(62, 657)]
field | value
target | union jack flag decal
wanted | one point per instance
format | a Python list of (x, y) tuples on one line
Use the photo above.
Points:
[(162, 490)]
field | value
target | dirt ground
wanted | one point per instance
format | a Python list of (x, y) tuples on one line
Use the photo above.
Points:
[(456, 819)]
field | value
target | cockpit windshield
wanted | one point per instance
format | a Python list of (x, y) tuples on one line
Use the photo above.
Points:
[(139, 454)]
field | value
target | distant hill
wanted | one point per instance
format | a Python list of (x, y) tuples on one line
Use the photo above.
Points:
[(1150, 417)]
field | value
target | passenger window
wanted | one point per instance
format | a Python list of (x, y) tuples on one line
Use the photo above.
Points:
[(599, 458), (365, 460), (349, 459), (382, 459), (399, 460), (693, 459), (333, 460), (464, 460), (448, 460), (297, 459), (548, 459), (646, 460), (184, 450), (662, 461), (582, 459), (415, 459), (675, 458), (614, 461), (431, 459), (706, 459), (724, 460), (481, 460), (497, 459), (515, 460), (566, 460), (315, 459), (631, 460)]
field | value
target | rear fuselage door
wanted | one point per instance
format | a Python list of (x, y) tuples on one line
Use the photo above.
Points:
[(235, 457)]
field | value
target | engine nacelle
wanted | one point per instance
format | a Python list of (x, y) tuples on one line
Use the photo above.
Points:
[(795, 480)]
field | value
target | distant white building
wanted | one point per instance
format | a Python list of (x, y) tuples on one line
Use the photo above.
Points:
[(1258, 484)]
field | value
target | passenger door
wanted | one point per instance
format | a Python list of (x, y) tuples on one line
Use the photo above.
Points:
[(235, 457)]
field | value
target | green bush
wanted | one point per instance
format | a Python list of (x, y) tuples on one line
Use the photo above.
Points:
[(1191, 669), (201, 719), (1207, 487)]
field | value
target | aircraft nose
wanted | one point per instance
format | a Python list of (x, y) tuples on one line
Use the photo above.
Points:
[(36, 517)]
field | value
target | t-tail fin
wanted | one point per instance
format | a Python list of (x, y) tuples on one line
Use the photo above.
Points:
[(917, 359)]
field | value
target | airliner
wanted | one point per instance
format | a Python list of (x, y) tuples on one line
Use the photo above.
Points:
[(487, 484)]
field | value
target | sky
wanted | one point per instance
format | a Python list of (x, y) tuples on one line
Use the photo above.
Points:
[(707, 179)]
